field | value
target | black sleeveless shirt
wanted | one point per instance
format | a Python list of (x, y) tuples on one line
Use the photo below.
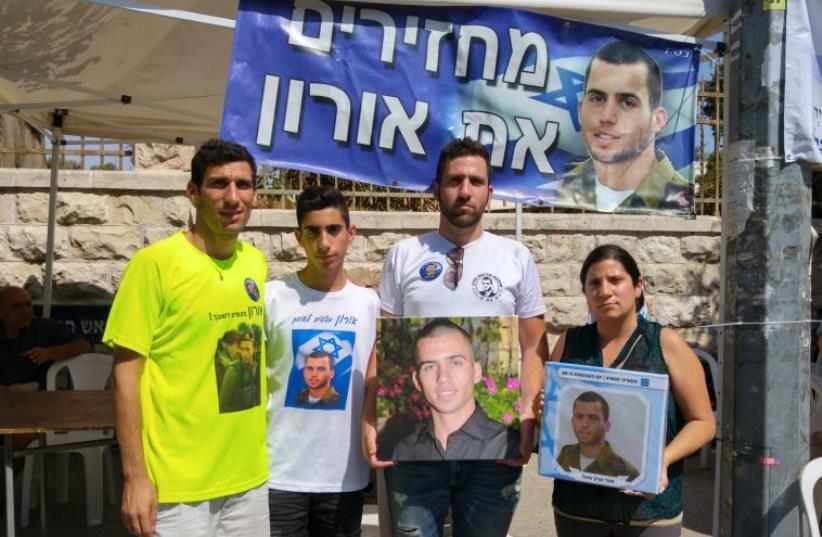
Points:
[(608, 504)]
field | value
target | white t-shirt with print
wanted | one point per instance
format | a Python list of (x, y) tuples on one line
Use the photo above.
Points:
[(499, 277), (314, 446)]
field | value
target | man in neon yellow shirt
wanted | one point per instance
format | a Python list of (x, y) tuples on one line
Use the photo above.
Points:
[(192, 466)]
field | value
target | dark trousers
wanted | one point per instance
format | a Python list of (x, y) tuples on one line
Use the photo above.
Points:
[(482, 496), (571, 527), (315, 514)]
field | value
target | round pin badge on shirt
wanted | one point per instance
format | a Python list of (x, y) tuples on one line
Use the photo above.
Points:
[(251, 289), (430, 270), (487, 287)]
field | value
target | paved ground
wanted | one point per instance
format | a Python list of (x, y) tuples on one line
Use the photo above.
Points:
[(533, 517)]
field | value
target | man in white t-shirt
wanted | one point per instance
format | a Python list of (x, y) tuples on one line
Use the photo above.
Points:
[(459, 270), (320, 329)]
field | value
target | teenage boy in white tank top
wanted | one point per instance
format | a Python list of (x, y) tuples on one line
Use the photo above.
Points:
[(321, 330)]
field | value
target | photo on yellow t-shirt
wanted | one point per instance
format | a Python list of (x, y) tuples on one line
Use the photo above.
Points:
[(237, 367)]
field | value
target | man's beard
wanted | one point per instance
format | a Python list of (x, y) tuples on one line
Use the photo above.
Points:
[(628, 153), (322, 386), (592, 441), (462, 220)]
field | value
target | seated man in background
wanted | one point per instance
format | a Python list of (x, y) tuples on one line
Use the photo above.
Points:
[(29, 344)]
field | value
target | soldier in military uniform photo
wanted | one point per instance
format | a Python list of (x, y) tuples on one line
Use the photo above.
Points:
[(592, 453), (318, 372), (620, 114)]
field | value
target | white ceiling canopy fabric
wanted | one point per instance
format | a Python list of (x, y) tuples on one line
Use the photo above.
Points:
[(130, 75)]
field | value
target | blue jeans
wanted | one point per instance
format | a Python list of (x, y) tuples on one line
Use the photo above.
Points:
[(315, 514), (482, 496)]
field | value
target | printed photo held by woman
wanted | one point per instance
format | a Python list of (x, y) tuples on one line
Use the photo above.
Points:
[(620, 338)]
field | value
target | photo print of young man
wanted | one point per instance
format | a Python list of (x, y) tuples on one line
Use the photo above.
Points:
[(448, 388)]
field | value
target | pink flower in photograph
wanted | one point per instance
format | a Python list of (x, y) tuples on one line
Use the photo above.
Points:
[(490, 385), (507, 418), (381, 390), (512, 383), (517, 408)]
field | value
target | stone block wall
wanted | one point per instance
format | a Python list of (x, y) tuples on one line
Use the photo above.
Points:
[(104, 217)]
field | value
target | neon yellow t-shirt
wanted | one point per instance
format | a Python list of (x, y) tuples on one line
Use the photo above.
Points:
[(199, 323)]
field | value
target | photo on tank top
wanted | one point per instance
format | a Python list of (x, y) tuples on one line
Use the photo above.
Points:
[(237, 368), (320, 376)]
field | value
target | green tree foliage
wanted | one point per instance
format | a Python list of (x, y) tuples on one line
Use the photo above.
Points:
[(105, 166), (713, 174), (66, 164)]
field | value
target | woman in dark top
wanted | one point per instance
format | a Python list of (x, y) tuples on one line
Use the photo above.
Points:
[(620, 338)]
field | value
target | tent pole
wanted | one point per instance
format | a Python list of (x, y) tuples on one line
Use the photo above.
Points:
[(518, 218), (56, 145)]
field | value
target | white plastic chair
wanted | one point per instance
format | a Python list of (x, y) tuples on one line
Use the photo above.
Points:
[(89, 371), (716, 377), (811, 473)]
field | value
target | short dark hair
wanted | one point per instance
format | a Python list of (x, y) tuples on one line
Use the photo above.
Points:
[(621, 52), (438, 327), (216, 152), (317, 197), (462, 147), (322, 354), (621, 256), (232, 336), (594, 397)]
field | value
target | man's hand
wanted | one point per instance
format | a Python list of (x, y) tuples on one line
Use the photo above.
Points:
[(369, 446), (139, 507), (38, 355), (538, 406)]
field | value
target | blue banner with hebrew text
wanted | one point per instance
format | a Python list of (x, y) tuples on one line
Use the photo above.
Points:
[(572, 114)]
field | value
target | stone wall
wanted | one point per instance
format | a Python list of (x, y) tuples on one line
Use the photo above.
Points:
[(163, 157), (104, 217)]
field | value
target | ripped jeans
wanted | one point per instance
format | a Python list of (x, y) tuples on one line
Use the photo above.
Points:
[(482, 496)]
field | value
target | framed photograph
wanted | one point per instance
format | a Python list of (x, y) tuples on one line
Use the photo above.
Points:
[(447, 388), (603, 426)]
